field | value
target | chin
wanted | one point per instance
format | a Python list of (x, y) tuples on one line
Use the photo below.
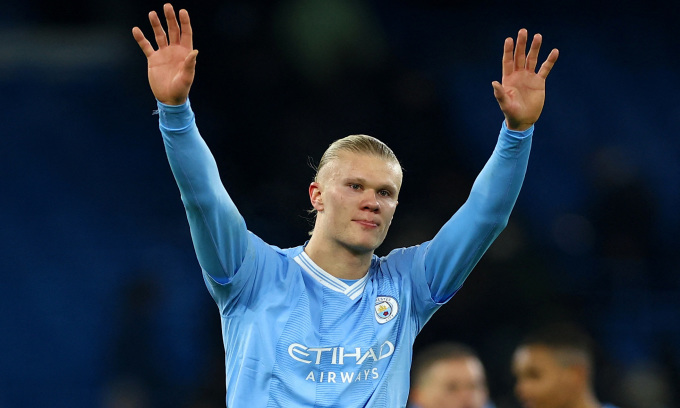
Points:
[(364, 247), (361, 249), (363, 243)]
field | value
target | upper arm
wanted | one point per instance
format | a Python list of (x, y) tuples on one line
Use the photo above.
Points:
[(217, 228), (461, 242)]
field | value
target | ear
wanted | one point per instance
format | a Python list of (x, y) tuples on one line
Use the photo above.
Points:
[(315, 196)]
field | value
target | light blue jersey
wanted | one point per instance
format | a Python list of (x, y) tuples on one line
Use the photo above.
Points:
[(296, 336)]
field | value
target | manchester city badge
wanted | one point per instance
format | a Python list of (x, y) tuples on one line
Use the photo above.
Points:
[(386, 308)]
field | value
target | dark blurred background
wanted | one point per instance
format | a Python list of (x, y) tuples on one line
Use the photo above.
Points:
[(102, 303)]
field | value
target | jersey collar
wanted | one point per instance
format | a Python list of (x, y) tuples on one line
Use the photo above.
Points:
[(326, 279)]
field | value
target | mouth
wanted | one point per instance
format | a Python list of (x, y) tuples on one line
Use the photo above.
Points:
[(367, 223)]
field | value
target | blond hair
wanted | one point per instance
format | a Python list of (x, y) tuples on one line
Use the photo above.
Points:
[(357, 144)]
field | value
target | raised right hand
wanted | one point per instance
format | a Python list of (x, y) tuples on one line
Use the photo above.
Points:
[(172, 66)]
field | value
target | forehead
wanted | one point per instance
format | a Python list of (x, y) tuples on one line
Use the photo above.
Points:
[(349, 164), (458, 369), (535, 357)]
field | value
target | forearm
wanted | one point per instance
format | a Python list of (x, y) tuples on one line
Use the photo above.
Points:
[(497, 186), (462, 241), (218, 230)]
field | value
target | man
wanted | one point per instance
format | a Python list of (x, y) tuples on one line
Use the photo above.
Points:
[(553, 367), (448, 375), (329, 323)]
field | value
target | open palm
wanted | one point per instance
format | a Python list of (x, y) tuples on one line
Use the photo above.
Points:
[(521, 93), (171, 68)]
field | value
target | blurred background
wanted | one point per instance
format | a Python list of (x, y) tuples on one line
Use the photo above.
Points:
[(102, 303)]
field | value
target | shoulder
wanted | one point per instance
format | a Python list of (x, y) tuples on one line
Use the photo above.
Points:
[(261, 244), (405, 256), (289, 252), (401, 261), (265, 264), (263, 255)]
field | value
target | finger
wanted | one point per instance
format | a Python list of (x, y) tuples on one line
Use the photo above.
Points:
[(158, 32), (549, 63), (532, 57), (520, 49), (144, 44), (499, 92), (507, 57), (187, 39), (173, 27)]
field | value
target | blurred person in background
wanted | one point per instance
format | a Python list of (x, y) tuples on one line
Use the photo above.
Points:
[(553, 368), (448, 375)]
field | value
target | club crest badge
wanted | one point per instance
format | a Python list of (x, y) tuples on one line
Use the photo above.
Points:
[(386, 309)]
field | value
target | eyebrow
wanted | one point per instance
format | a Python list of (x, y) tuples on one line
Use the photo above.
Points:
[(363, 181)]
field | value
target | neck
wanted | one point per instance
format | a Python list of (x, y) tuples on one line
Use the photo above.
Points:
[(338, 260)]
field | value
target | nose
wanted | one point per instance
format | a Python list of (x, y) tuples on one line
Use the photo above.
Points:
[(370, 201)]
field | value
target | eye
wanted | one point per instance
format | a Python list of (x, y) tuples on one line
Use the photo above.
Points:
[(385, 193), (354, 186)]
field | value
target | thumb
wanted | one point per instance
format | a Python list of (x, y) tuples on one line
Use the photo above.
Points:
[(498, 91), (190, 61)]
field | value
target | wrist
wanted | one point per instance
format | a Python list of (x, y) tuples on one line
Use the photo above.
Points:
[(175, 117), (173, 102), (517, 126), (515, 133)]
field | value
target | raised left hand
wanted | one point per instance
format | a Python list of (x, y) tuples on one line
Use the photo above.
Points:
[(521, 92)]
